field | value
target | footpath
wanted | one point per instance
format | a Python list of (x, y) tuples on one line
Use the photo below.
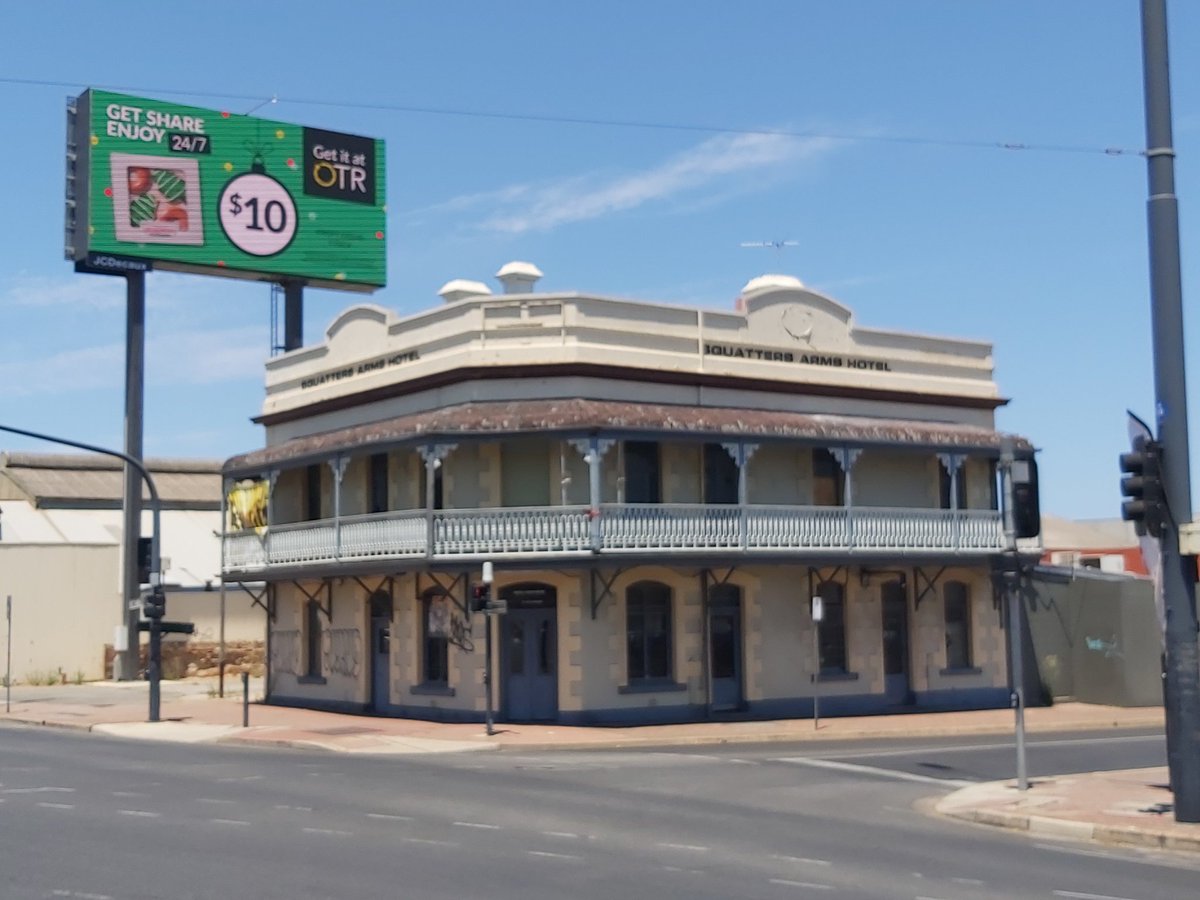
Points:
[(1126, 807)]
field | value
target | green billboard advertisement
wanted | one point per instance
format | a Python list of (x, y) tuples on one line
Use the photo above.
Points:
[(201, 190)]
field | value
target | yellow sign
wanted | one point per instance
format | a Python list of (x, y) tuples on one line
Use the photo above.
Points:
[(248, 506)]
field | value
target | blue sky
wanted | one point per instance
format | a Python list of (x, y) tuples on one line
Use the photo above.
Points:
[(867, 131)]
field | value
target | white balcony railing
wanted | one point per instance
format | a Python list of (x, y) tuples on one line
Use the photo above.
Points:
[(620, 528)]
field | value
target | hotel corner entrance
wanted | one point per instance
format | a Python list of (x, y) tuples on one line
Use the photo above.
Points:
[(895, 643), (529, 654), (725, 646)]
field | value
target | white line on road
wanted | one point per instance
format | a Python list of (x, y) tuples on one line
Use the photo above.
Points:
[(872, 770), (803, 859), (212, 800), (482, 825), (696, 848), (333, 831), (297, 808), (971, 881), (40, 790), (1008, 745), (546, 854), (57, 805), (430, 842), (561, 834), (811, 885), (79, 895), (1080, 895), (389, 817), (229, 821), (139, 812), (129, 794)]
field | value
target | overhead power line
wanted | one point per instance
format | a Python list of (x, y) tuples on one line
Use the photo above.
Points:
[(260, 101)]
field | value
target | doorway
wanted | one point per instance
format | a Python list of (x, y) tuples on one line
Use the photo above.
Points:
[(529, 653), (896, 685), (381, 650), (725, 646)]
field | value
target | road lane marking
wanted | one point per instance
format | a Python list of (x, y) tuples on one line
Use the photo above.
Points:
[(1080, 895), (803, 859), (561, 834), (139, 812), (229, 821), (334, 831), (695, 848), (212, 800), (1008, 745), (40, 790), (482, 825), (45, 805), (972, 881), (389, 817), (872, 770), (811, 885), (296, 808), (430, 842), (548, 855), (79, 895), (129, 794)]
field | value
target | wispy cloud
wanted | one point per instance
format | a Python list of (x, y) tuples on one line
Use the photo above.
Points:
[(181, 358), (710, 166), (164, 290)]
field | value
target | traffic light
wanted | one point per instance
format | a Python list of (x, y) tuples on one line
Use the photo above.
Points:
[(1142, 486), (1027, 511), (155, 604), (481, 596), (143, 559)]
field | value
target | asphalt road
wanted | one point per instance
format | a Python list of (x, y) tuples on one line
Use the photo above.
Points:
[(87, 817)]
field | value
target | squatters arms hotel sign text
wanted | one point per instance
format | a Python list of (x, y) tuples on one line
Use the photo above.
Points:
[(733, 351)]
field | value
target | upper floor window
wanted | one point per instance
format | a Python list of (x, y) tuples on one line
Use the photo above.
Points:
[(720, 475), (957, 599), (643, 478), (377, 483), (313, 482), (648, 631), (829, 481)]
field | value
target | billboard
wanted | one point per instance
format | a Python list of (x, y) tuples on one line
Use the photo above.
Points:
[(201, 190)]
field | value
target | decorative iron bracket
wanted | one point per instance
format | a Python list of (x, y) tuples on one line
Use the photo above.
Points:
[(328, 586), (264, 599), (920, 575), (448, 590), (820, 576), (607, 584)]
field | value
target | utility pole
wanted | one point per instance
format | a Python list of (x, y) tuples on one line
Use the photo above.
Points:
[(1182, 668)]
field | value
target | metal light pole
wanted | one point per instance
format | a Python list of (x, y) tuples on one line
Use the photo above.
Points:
[(155, 510), (1012, 598), (487, 648), (1182, 668)]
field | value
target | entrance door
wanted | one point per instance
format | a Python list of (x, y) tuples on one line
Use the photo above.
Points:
[(529, 653), (381, 650), (895, 643), (725, 646)]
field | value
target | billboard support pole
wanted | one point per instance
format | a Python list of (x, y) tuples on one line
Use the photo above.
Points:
[(125, 665), (293, 315)]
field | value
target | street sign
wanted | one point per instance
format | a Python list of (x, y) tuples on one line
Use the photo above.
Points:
[(496, 607)]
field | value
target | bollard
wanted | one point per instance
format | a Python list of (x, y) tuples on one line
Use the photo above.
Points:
[(245, 699)]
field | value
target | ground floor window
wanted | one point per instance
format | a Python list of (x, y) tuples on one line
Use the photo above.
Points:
[(648, 631), (435, 633), (832, 630), (312, 639), (958, 625)]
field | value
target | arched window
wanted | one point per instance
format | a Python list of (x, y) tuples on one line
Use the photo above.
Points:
[(832, 630), (312, 639), (648, 632), (957, 599), (436, 607)]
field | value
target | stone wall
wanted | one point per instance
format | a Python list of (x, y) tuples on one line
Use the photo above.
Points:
[(181, 659)]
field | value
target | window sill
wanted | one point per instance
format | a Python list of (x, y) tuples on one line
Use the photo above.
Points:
[(968, 670), (837, 676), (651, 686), (432, 689), (310, 679)]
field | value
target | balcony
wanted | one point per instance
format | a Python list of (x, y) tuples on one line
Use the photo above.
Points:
[(567, 532)]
